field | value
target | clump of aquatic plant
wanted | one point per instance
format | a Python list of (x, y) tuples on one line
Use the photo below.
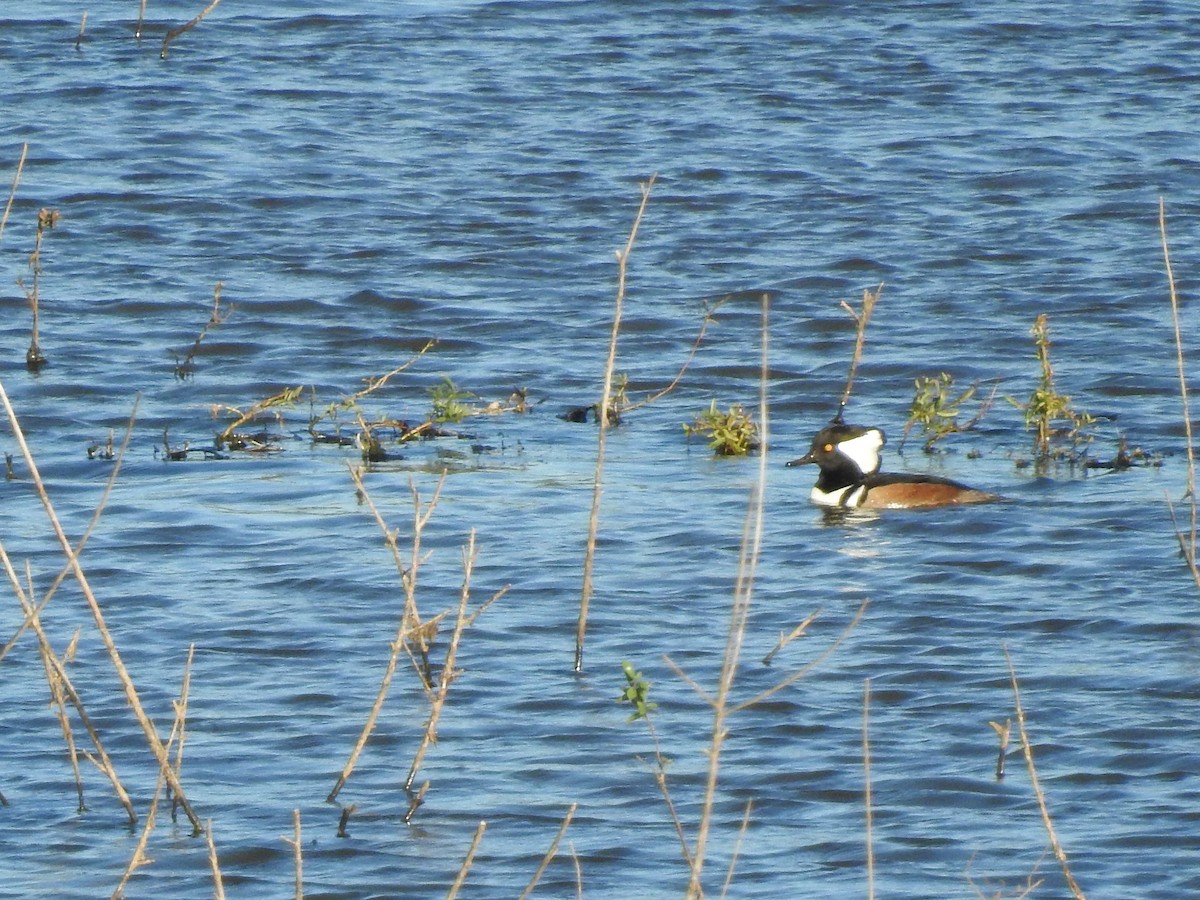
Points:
[(447, 399), (186, 368), (274, 404), (1060, 431), (47, 219), (937, 406), (636, 693), (730, 432)]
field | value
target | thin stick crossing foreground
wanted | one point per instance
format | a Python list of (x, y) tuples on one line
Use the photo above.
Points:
[(1059, 853), (605, 399), (153, 739)]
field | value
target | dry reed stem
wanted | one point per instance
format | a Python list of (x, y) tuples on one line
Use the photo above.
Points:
[(438, 699), (65, 572), (13, 192), (466, 866), (1057, 847), (101, 761), (407, 618), (659, 769), (139, 858), (297, 853), (414, 803), (1188, 545), (1003, 732), (181, 708), (551, 853), (602, 435), (860, 320), (131, 695), (214, 864), (742, 594), (57, 690), (82, 28), (188, 26), (866, 750), (709, 315), (737, 848), (796, 632), (137, 31)]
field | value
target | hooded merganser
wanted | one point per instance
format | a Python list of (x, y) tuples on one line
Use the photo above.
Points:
[(848, 457)]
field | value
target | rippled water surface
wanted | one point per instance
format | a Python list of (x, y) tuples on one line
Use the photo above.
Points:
[(364, 177)]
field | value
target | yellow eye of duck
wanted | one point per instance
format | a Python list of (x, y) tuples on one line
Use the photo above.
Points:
[(829, 448)]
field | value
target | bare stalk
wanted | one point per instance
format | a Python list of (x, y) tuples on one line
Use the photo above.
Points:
[(866, 745), (449, 673), (179, 732), (737, 848), (57, 691), (1003, 733), (65, 572), (605, 401), (785, 639), (466, 866), (214, 864), (139, 857), (188, 26), (709, 318), (860, 319), (131, 695), (13, 192), (742, 594), (297, 853), (407, 619), (1057, 847), (82, 29), (137, 32), (551, 853), (101, 760), (1189, 548)]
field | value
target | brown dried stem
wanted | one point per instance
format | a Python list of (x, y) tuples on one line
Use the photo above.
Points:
[(131, 695), (409, 620), (866, 750), (13, 192), (101, 760), (861, 319), (742, 594), (214, 864), (466, 866), (551, 853), (1186, 544), (1059, 853), (65, 572), (297, 853), (603, 423), (785, 639), (461, 622), (188, 26)]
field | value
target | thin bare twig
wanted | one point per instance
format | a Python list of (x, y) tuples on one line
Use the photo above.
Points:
[(153, 739), (188, 26), (551, 853), (866, 745), (466, 866), (1059, 853), (737, 848), (860, 319), (785, 639), (605, 401), (13, 193), (1189, 546)]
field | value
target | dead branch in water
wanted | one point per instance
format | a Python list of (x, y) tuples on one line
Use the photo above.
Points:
[(188, 26), (603, 423), (13, 192), (861, 319)]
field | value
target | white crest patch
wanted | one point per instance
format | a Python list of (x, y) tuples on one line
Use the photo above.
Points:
[(863, 450)]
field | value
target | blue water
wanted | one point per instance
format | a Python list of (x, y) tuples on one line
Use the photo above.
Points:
[(362, 180)]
